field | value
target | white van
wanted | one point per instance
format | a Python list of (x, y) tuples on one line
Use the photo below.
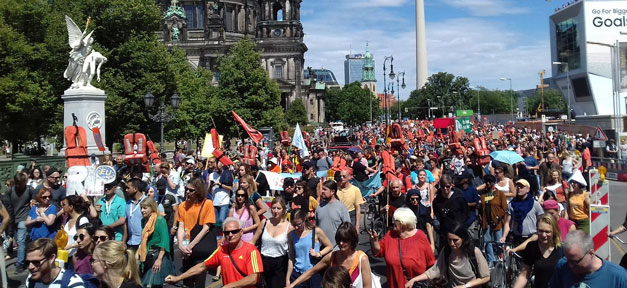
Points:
[(337, 126)]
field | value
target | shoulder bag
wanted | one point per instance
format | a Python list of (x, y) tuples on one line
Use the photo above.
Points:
[(203, 249)]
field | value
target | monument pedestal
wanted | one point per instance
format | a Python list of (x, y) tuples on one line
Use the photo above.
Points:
[(88, 104)]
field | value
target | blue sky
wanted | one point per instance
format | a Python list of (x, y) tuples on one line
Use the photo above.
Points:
[(482, 40)]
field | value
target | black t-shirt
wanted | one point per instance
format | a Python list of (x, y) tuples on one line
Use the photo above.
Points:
[(168, 201), (423, 216), (394, 203), (58, 194), (359, 171), (447, 211), (262, 184), (542, 267)]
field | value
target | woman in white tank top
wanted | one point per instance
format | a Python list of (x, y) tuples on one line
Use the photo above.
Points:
[(274, 244), (504, 184)]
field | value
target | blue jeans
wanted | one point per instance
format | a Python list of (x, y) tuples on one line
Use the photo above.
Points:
[(491, 236), (221, 213), (20, 237)]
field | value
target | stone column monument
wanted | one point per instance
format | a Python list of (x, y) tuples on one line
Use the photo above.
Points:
[(421, 45), (82, 99)]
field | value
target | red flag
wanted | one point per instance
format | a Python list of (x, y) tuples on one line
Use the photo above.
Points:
[(254, 134)]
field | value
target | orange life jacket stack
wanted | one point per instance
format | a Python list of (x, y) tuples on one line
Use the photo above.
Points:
[(250, 155), (135, 150), (154, 153), (454, 145), (483, 154), (397, 140), (285, 138), (388, 166), (76, 146)]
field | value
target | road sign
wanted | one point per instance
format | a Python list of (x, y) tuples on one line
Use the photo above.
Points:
[(599, 135), (463, 113)]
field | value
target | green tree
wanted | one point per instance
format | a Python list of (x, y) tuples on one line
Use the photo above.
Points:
[(246, 88), (444, 91), (351, 104), (491, 101), (34, 53), (553, 101), (296, 113)]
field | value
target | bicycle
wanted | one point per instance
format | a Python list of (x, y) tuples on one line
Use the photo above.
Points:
[(375, 220), (506, 269)]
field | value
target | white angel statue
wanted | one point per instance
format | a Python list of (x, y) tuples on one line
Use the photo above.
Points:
[(84, 62)]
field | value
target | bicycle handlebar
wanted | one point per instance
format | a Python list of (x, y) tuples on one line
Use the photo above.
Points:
[(619, 240)]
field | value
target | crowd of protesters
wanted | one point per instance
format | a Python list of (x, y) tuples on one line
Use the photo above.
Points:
[(439, 198)]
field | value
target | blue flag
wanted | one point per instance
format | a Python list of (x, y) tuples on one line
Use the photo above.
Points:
[(299, 142)]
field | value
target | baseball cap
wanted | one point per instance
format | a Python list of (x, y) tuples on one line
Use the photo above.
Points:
[(190, 161), (51, 171), (161, 184), (550, 204), (289, 181), (523, 182)]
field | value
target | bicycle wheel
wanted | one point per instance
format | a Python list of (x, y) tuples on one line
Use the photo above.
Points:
[(497, 275), (378, 225)]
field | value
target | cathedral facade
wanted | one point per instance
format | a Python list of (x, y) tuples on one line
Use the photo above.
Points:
[(207, 29)]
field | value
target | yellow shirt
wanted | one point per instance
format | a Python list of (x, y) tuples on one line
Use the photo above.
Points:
[(351, 197), (578, 209)]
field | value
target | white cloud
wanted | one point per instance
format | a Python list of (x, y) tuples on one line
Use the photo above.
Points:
[(478, 49), (488, 7)]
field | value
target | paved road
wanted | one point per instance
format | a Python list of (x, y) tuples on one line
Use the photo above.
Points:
[(618, 209)]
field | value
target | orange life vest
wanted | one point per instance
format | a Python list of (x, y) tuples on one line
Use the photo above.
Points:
[(250, 155), (285, 138), (135, 149), (388, 165), (154, 153), (76, 146)]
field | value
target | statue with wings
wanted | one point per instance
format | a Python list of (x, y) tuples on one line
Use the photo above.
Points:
[(84, 62)]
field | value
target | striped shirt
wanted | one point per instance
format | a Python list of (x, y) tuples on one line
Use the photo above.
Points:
[(75, 282)]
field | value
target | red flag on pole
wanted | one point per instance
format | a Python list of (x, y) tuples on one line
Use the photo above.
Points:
[(254, 134)]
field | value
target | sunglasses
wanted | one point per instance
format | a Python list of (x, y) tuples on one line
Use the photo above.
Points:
[(299, 187), (79, 236), (241, 195), (414, 199), (45, 197), (231, 232), (101, 238), (190, 189), (36, 263)]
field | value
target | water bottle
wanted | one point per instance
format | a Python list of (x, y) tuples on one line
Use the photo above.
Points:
[(186, 238)]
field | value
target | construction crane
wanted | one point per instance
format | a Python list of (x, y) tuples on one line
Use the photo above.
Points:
[(541, 87)]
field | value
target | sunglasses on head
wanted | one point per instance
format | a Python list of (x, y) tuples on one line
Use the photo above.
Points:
[(231, 232), (79, 236)]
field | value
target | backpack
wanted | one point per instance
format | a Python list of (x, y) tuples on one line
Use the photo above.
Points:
[(89, 281)]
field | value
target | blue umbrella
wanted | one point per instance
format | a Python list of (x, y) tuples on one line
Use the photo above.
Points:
[(506, 156)]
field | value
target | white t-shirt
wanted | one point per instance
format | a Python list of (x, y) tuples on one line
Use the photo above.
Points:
[(71, 232), (623, 151)]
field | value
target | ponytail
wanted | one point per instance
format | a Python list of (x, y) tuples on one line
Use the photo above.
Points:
[(131, 270)]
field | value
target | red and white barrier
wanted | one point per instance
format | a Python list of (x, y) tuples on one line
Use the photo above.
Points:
[(599, 226), (599, 190)]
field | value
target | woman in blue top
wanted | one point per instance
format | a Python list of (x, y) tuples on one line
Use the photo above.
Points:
[(42, 216), (303, 250)]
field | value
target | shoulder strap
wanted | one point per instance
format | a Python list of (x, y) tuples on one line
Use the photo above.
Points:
[(313, 237), (200, 211), (235, 265), (473, 264), (401, 258), (65, 280)]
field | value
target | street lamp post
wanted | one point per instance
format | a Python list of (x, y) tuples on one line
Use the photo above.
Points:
[(568, 80), (385, 91), (511, 98), (391, 89), (162, 115), (429, 111), (398, 88)]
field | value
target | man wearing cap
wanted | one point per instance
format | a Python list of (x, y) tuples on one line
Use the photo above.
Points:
[(522, 213), (113, 210), (288, 190), (53, 184), (189, 172), (273, 165), (309, 175)]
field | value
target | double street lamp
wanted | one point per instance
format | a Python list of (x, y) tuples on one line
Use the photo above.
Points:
[(511, 98), (162, 115), (385, 90), (568, 80), (398, 88)]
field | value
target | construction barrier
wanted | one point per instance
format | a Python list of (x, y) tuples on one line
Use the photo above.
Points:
[(616, 170), (599, 227), (599, 190)]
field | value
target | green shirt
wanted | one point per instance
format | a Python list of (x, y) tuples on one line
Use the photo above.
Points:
[(111, 213), (160, 236)]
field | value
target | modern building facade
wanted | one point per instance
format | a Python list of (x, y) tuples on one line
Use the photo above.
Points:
[(353, 66), (588, 40), (207, 29)]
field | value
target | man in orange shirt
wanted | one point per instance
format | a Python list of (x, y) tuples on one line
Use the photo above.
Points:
[(240, 261)]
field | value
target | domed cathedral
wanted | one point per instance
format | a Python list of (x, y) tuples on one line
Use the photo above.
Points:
[(206, 29)]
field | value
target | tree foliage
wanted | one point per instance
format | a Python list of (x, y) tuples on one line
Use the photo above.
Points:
[(351, 104), (296, 113), (553, 101), (442, 90), (246, 88)]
